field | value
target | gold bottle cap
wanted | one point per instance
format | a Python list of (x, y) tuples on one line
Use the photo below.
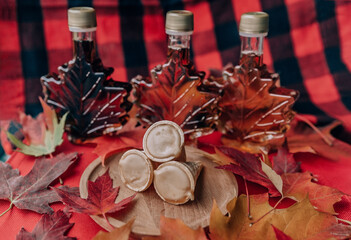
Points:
[(254, 23), (81, 17), (179, 21)]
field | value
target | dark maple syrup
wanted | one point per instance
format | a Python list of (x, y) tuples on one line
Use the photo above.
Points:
[(87, 49), (182, 53), (97, 104), (251, 59)]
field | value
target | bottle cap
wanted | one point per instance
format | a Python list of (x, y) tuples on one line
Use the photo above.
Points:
[(254, 23), (180, 21), (81, 17)]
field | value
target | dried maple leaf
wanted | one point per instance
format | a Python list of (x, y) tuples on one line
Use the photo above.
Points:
[(53, 226), (101, 198), (284, 161), (254, 109), (299, 185), (175, 229), (299, 221), (172, 93), (302, 138), (121, 233), (127, 138), (96, 105), (43, 135), (253, 169), (30, 192)]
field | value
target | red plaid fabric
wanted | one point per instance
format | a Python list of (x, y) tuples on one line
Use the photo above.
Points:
[(307, 45)]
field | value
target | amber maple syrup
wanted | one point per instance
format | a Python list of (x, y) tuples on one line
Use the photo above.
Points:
[(175, 90), (253, 108)]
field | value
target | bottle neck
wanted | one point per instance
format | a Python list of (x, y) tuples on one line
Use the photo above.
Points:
[(84, 43), (179, 44), (252, 48)]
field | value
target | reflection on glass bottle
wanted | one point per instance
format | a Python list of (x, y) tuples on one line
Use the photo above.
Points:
[(254, 109), (175, 90), (96, 103)]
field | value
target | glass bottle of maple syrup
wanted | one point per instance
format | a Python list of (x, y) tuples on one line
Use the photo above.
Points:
[(255, 110), (174, 91), (252, 30), (83, 86), (82, 25), (179, 28)]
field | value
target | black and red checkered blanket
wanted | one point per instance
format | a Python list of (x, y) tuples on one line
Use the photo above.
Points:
[(308, 45)]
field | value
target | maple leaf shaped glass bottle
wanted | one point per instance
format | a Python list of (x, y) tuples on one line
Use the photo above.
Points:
[(175, 90), (255, 110), (97, 104)]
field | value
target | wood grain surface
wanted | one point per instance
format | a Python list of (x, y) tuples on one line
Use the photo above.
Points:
[(147, 207)]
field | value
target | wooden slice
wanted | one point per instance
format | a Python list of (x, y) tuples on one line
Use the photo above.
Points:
[(147, 207)]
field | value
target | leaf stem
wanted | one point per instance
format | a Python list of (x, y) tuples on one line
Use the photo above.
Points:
[(259, 219), (10, 207), (309, 123), (51, 156), (107, 221), (247, 200)]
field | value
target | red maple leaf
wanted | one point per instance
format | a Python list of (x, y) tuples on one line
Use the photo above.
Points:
[(300, 185), (284, 161), (101, 198), (31, 192), (280, 235), (249, 167), (49, 227)]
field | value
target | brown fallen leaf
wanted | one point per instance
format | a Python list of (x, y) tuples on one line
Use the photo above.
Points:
[(31, 192), (299, 185), (175, 229), (49, 227), (302, 138), (299, 221), (121, 233)]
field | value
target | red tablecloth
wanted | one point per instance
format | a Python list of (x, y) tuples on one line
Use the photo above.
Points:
[(334, 174)]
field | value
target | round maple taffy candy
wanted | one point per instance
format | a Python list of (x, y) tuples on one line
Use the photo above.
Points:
[(164, 141), (175, 181), (136, 170)]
